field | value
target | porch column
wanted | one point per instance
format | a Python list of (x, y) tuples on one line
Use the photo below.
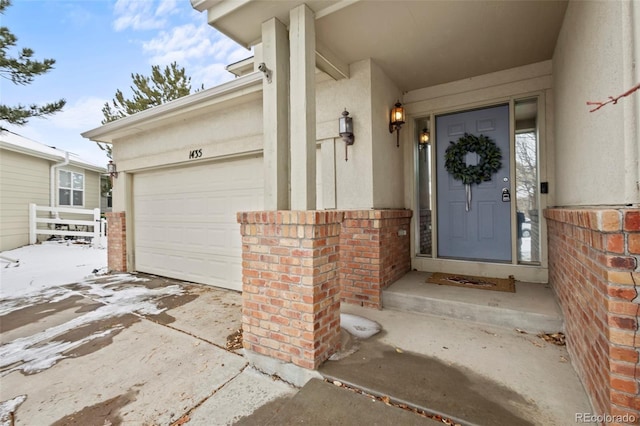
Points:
[(116, 241), (302, 39), (120, 245), (290, 289), (275, 105)]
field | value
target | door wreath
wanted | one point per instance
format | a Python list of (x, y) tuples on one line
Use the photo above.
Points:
[(490, 156), (489, 164)]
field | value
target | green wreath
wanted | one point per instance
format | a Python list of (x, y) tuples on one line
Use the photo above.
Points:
[(490, 156)]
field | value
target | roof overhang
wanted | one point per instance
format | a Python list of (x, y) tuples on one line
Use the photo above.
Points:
[(234, 92), (51, 154), (417, 43)]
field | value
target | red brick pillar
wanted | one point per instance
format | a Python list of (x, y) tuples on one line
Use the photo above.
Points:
[(374, 252), (593, 268), (290, 292), (116, 241)]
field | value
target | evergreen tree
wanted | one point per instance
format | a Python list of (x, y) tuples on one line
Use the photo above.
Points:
[(22, 70), (148, 91), (161, 87)]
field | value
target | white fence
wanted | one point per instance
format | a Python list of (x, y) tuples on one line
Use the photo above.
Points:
[(65, 227)]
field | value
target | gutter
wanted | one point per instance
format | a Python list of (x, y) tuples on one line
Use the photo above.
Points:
[(52, 178), (216, 95)]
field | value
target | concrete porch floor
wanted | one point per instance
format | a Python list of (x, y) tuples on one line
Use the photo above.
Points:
[(466, 362), (532, 308)]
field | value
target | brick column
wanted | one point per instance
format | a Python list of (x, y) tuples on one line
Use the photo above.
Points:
[(290, 292), (374, 252), (117, 241), (593, 268)]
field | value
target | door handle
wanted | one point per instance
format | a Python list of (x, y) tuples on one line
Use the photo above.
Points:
[(506, 195)]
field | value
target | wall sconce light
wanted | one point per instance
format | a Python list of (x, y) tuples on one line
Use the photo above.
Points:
[(396, 121), (111, 169), (423, 141), (346, 131)]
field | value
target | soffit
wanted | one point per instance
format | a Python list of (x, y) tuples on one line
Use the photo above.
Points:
[(418, 43)]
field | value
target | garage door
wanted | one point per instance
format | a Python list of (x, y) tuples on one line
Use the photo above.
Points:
[(185, 220)]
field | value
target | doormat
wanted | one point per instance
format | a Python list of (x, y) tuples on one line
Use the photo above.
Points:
[(468, 281)]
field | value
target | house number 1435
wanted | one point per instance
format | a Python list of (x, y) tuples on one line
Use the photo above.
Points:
[(196, 153)]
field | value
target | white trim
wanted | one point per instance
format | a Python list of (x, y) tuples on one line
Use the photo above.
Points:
[(175, 109), (480, 92), (71, 188), (334, 8), (525, 273), (16, 143)]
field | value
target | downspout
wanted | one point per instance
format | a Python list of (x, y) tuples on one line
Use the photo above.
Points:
[(52, 179)]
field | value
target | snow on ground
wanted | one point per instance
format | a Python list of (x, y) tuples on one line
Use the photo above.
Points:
[(38, 277), (359, 327), (9, 407), (49, 264), (40, 351)]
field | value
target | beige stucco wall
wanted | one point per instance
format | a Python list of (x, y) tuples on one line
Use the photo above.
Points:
[(372, 177), (223, 132), (235, 128), (354, 188), (596, 154), (388, 183)]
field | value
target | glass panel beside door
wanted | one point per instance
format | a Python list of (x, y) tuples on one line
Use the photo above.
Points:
[(527, 182), (425, 228)]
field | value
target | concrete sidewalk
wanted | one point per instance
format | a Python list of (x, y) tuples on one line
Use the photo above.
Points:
[(121, 351), (126, 351), (472, 373)]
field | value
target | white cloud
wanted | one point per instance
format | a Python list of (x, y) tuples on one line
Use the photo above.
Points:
[(178, 44), (83, 114), (210, 75), (140, 15), (62, 130), (201, 49), (166, 7)]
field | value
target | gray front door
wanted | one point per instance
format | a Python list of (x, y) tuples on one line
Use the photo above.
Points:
[(484, 231)]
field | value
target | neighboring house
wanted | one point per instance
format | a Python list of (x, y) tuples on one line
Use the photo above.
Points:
[(31, 172), (316, 229)]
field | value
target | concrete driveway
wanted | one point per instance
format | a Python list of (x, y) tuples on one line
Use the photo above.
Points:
[(126, 349)]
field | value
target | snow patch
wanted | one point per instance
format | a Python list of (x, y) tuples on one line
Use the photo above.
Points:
[(50, 264), (7, 408), (359, 327), (40, 351)]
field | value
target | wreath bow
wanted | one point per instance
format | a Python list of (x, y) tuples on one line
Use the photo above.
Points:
[(489, 164)]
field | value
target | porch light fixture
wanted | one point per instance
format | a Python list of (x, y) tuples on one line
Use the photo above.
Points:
[(346, 131), (111, 169), (423, 141), (396, 121)]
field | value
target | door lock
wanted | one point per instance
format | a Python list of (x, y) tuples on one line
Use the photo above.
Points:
[(506, 195)]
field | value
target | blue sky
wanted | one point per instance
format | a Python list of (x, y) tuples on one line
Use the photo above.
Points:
[(97, 45)]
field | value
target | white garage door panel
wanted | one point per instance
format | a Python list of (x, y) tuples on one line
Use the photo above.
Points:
[(185, 220)]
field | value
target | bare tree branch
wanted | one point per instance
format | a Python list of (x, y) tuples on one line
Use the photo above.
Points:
[(613, 100)]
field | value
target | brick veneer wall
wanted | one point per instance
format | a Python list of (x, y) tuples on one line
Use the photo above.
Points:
[(117, 241), (297, 266), (425, 231), (593, 268), (290, 291), (373, 254)]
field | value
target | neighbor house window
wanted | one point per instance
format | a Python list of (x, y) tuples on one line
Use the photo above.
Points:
[(70, 188)]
